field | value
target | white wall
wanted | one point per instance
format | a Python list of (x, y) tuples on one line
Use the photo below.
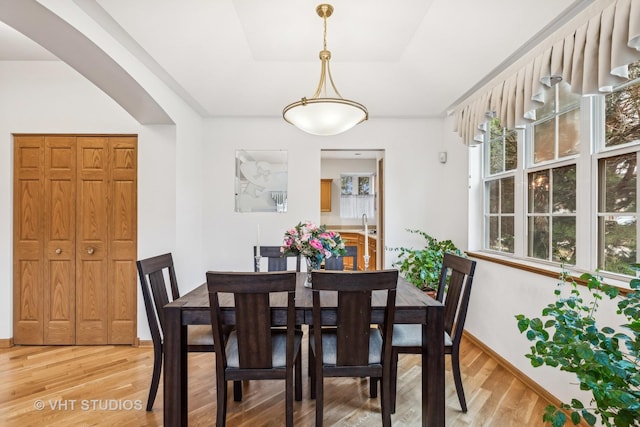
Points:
[(413, 176)]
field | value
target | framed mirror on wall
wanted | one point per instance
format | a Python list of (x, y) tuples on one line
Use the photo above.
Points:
[(261, 181)]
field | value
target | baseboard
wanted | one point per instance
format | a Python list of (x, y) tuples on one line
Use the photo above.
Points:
[(6, 342), (526, 380), (145, 343)]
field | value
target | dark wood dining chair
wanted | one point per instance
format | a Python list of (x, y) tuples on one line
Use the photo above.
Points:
[(337, 262), (276, 261), (346, 344), (153, 273), (255, 350), (456, 276)]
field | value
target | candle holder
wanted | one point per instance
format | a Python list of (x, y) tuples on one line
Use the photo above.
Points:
[(257, 262), (366, 262)]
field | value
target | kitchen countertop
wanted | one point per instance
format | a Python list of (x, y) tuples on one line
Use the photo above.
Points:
[(351, 229)]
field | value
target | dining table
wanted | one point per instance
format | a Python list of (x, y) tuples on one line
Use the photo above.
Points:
[(412, 307)]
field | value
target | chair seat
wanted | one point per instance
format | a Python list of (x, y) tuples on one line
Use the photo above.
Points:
[(411, 336), (199, 335), (329, 346), (278, 343)]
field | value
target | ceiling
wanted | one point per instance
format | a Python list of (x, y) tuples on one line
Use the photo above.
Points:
[(239, 58)]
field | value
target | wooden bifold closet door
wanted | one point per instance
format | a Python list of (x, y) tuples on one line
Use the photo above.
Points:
[(75, 239)]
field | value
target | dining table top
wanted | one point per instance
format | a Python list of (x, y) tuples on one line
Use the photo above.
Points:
[(410, 302)]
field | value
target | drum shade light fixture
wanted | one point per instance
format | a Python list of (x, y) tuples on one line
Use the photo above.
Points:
[(325, 115)]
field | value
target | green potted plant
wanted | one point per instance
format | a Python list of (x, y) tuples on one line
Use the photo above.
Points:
[(605, 361), (422, 266)]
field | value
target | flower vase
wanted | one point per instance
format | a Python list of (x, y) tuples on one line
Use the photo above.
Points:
[(312, 264)]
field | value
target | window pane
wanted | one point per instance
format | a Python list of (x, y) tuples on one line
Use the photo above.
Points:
[(564, 239), (507, 234), (622, 116), (539, 192), (564, 189), (364, 185), (493, 188), (569, 133), (544, 141), (493, 233), (496, 156), (495, 128), (539, 237), (618, 179), (346, 184), (511, 151), (618, 234), (508, 194)]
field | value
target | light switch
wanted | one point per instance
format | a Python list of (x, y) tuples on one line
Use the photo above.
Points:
[(442, 156)]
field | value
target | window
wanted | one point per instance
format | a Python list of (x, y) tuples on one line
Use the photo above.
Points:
[(617, 217), (357, 185), (552, 214), (554, 142), (617, 168), (499, 188), (568, 179), (357, 195)]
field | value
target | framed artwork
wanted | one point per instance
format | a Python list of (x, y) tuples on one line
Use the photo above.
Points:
[(261, 181)]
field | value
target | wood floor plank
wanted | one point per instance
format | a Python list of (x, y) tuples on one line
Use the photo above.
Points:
[(108, 385)]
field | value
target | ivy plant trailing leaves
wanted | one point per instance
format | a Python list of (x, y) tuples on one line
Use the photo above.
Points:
[(606, 361)]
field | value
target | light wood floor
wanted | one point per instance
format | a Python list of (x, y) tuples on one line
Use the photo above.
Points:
[(108, 386)]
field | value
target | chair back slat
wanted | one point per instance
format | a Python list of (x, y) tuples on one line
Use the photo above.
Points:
[(253, 323), (353, 328)]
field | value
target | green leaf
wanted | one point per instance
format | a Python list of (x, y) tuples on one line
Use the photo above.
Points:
[(575, 418), (589, 417), (523, 324)]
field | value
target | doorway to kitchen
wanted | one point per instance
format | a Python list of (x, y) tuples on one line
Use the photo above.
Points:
[(352, 200)]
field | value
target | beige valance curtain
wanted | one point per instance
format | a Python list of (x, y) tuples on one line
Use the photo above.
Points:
[(592, 57)]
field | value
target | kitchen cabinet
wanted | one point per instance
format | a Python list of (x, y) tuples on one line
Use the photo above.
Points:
[(325, 195)]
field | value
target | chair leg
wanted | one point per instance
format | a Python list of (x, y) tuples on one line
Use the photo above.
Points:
[(288, 391), (221, 410), (457, 379), (309, 369), (237, 391), (393, 380), (373, 387), (155, 377), (312, 372), (298, 376), (385, 397), (319, 395)]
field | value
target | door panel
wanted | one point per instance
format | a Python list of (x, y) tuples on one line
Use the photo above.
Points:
[(28, 228), (123, 240), (91, 241), (59, 240)]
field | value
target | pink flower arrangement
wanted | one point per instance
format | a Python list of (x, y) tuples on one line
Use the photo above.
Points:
[(313, 242)]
